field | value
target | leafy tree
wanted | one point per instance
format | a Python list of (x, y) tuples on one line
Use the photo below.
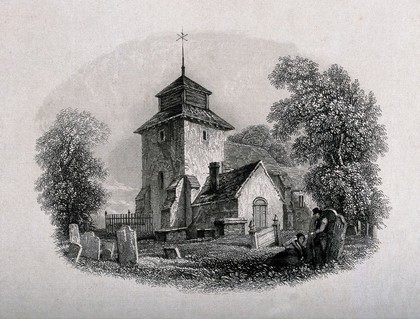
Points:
[(70, 184), (335, 128), (259, 135)]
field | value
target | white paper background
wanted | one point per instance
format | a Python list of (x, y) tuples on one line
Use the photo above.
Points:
[(42, 43)]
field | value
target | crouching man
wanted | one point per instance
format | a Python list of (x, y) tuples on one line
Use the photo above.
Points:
[(291, 253)]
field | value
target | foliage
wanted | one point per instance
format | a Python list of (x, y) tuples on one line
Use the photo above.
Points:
[(335, 128), (379, 207), (260, 136), (70, 184), (335, 186)]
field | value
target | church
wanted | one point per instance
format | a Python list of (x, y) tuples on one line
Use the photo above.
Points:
[(192, 176)]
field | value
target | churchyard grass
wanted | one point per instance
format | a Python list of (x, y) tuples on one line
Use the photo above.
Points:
[(223, 264)]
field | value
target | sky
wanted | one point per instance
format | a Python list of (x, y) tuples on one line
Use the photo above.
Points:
[(43, 44)]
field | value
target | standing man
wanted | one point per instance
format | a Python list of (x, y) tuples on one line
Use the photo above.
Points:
[(321, 236)]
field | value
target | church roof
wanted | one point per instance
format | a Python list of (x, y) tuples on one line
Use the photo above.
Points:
[(194, 183), (185, 83), (142, 193), (237, 155), (189, 112), (229, 185)]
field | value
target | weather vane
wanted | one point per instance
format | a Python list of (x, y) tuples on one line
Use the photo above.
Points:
[(182, 37)]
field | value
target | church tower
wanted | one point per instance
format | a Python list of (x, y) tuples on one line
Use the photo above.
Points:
[(178, 143)]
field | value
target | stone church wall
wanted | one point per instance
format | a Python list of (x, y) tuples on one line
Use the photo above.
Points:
[(166, 156), (206, 214), (177, 217), (199, 153), (260, 185), (302, 215)]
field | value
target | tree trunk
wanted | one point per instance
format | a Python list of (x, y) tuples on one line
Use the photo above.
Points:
[(340, 158)]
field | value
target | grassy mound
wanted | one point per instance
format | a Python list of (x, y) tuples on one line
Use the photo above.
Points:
[(223, 264)]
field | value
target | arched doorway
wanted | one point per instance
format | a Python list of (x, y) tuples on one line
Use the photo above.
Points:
[(260, 212)]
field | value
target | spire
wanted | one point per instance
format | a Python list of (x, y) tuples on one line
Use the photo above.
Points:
[(182, 38)]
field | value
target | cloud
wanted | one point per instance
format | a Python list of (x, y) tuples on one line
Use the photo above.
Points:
[(113, 185)]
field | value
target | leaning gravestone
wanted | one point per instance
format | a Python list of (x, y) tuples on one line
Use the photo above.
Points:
[(75, 250), (339, 235), (91, 245), (74, 233), (127, 245), (108, 251), (171, 252)]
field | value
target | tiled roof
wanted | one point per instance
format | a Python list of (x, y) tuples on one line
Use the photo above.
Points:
[(142, 193), (192, 113), (229, 184), (183, 82), (174, 183), (161, 117), (237, 155), (194, 183), (207, 116)]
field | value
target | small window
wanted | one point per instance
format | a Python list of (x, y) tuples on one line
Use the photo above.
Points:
[(160, 180), (301, 202), (205, 135), (161, 135)]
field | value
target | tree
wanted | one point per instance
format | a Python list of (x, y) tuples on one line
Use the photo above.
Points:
[(70, 185), (260, 136), (335, 128)]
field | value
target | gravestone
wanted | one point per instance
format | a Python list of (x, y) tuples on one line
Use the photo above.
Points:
[(252, 234), (108, 251), (75, 250), (74, 233), (127, 245), (375, 232), (91, 245), (337, 242), (171, 252)]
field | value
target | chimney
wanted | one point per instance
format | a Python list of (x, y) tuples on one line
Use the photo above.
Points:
[(214, 175)]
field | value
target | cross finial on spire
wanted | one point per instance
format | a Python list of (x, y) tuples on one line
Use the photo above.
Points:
[(182, 38)]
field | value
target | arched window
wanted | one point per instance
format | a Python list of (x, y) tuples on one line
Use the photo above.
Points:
[(160, 180), (260, 212)]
